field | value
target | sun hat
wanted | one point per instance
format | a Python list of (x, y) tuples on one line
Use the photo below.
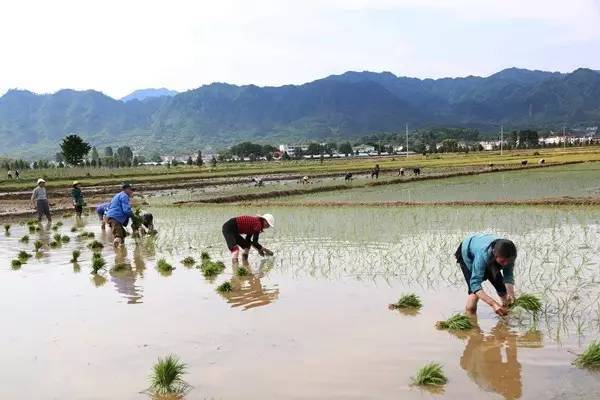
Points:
[(269, 218), (75, 183), (40, 180)]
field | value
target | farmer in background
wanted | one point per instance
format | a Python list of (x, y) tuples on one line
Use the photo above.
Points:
[(252, 227), (39, 200), (375, 172), (9, 173), (78, 201), (118, 213), (487, 257), (17, 174), (101, 212)]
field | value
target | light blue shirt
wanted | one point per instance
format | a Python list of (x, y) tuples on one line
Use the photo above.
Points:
[(120, 208), (477, 255)]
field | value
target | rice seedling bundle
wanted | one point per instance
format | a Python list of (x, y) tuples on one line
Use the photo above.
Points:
[(224, 287), (75, 255), (55, 227), (65, 239), (74, 229), (242, 272), (23, 256), (59, 224), (205, 256), (54, 244), (211, 269), (430, 375), (408, 301), (16, 263), (457, 322), (163, 266), (97, 263), (38, 244), (25, 239), (57, 237), (528, 302), (590, 358), (188, 261), (167, 377), (6, 228), (96, 245)]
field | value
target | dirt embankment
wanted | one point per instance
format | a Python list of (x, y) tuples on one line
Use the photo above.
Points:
[(405, 179)]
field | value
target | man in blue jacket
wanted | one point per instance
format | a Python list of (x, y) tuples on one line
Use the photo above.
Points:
[(487, 257), (118, 213)]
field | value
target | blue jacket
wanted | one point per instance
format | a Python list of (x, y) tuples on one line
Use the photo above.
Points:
[(120, 208), (477, 255)]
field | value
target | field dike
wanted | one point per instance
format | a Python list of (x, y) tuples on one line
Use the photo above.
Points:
[(303, 191)]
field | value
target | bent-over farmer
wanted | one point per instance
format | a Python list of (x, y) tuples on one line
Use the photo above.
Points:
[(101, 212), (118, 213), (39, 200), (488, 257), (252, 227)]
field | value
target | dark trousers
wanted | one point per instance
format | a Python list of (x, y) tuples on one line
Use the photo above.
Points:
[(78, 210), (233, 237), (492, 274), (43, 209)]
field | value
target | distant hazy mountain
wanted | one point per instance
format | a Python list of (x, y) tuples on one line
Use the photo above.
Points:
[(336, 107), (144, 94)]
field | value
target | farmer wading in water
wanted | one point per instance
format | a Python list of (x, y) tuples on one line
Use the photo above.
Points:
[(252, 227), (487, 257)]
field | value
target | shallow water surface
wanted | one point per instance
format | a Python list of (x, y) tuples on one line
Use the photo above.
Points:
[(310, 322)]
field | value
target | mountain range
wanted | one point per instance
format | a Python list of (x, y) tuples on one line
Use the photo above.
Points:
[(337, 107)]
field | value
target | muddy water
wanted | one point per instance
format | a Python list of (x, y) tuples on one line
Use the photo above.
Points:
[(311, 322)]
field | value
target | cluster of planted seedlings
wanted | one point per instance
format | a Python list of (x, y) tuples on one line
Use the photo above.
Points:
[(86, 235), (242, 271), (38, 244), (457, 322), (98, 263), (590, 358), (95, 246), (24, 239), (209, 268), (7, 229), (167, 378), (21, 259), (224, 287), (75, 256), (188, 261), (163, 266), (407, 301), (430, 375), (59, 239)]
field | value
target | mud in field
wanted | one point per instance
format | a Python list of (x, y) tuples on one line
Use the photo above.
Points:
[(310, 322)]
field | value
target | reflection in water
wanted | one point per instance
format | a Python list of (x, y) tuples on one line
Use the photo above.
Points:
[(248, 291), (124, 277), (491, 360)]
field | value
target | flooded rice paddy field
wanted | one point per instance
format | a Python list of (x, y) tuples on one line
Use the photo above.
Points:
[(578, 180), (310, 322)]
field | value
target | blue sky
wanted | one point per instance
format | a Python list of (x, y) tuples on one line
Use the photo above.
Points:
[(119, 46)]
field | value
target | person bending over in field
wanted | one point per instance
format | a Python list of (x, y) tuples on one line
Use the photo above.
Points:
[(101, 212), (252, 227), (487, 257), (119, 212)]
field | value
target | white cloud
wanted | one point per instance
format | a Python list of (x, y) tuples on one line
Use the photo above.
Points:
[(119, 46)]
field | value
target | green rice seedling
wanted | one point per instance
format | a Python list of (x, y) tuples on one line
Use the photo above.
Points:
[(25, 239), (430, 375), (457, 322), (7, 228), (96, 245), (55, 228), (32, 222), (224, 287), (32, 229), (163, 266), (65, 239), (16, 263), (407, 301), (211, 269), (528, 302), (97, 263), (590, 358), (86, 235), (59, 224), (57, 237), (74, 229), (54, 244), (205, 256), (167, 377), (241, 272), (23, 256), (38, 244), (75, 256), (188, 261)]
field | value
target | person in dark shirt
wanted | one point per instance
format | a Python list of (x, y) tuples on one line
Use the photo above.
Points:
[(252, 227), (78, 201)]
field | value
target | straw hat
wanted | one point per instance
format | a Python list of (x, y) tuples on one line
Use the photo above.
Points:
[(75, 183), (269, 218), (40, 180)]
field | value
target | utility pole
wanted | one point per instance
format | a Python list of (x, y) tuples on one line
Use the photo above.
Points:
[(564, 137), (407, 141), (501, 138)]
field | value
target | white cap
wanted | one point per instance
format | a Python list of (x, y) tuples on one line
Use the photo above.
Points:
[(40, 180), (269, 218)]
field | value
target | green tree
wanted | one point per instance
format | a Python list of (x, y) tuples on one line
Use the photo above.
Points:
[(199, 161), (108, 151), (95, 157), (125, 155), (345, 148), (190, 161), (74, 149), (313, 149)]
